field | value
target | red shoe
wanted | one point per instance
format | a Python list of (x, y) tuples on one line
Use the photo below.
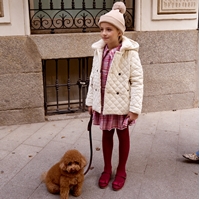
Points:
[(104, 180), (119, 182)]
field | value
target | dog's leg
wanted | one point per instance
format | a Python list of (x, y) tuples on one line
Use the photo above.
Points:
[(64, 192), (50, 184), (53, 188), (77, 189)]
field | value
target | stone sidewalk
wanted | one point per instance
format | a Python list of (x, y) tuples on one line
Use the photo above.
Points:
[(155, 169)]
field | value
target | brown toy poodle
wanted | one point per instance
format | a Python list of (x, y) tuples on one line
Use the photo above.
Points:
[(67, 175)]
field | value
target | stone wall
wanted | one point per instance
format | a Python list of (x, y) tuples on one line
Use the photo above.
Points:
[(21, 99), (170, 62), (169, 59)]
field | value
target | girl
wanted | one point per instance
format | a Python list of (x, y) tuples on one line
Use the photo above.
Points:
[(115, 91)]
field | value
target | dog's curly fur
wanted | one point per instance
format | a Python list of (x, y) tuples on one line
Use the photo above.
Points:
[(67, 175)]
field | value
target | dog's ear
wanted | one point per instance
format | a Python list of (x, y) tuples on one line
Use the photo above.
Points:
[(62, 166), (83, 162)]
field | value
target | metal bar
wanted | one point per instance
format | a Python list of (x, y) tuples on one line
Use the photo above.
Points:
[(83, 87), (40, 5), (73, 4), (44, 83), (83, 4), (87, 74), (51, 4), (94, 4), (62, 111), (62, 5), (63, 104), (68, 82), (104, 4), (79, 75), (29, 6), (62, 85), (57, 86)]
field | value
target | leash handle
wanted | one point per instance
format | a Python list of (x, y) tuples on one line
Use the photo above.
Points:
[(89, 128)]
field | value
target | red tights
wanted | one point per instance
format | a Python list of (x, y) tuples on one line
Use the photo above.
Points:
[(124, 146)]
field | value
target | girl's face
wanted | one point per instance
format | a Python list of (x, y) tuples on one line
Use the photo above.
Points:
[(110, 34)]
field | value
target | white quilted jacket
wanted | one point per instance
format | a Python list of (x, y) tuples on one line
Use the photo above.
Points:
[(124, 86)]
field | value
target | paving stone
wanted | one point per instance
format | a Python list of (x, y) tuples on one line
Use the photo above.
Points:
[(46, 133), (10, 192), (14, 162)]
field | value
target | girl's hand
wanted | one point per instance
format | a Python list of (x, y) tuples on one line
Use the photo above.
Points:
[(90, 110), (132, 116)]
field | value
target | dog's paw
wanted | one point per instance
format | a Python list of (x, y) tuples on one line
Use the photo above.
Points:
[(76, 193), (64, 196), (64, 193)]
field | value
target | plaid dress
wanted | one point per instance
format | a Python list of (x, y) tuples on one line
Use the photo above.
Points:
[(108, 122)]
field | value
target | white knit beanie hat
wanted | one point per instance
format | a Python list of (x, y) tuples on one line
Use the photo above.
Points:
[(115, 16)]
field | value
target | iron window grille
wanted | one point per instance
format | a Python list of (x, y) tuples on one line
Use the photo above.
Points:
[(52, 16), (66, 87)]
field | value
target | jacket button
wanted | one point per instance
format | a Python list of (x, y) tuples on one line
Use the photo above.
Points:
[(117, 93), (119, 73)]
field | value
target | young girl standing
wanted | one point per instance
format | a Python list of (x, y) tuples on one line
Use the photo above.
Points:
[(115, 91)]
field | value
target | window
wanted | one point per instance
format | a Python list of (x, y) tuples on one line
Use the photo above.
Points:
[(73, 15), (1, 8)]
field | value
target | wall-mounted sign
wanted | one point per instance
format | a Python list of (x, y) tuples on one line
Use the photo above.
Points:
[(177, 6), (174, 9)]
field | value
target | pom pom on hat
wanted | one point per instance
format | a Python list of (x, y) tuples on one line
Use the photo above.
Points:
[(119, 6), (115, 16)]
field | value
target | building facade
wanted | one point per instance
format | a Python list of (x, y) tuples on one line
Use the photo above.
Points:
[(44, 69)]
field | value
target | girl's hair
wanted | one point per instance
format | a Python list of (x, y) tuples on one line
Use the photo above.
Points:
[(120, 39), (120, 36)]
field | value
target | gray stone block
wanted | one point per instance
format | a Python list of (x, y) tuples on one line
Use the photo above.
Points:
[(65, 45), (169, 86), (21, 116), (23, 90), (19, 55), (168, 102), (171, 78), (167, 46)]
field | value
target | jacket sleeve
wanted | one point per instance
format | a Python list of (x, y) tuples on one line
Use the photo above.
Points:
[(89, 98), (136, 83)]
